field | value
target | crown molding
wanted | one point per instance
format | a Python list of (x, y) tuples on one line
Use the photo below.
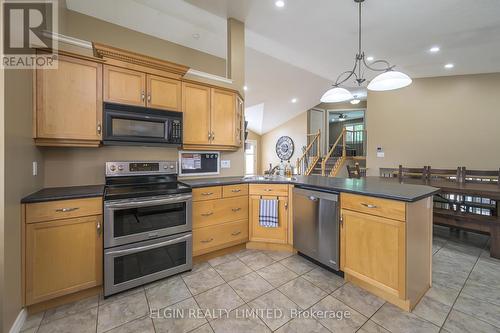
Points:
[(105, 51)]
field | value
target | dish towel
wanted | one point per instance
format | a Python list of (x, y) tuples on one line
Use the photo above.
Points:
[(268, 213)]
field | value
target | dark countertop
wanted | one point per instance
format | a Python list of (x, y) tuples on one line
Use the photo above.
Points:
[(63, 193), (370, 186)]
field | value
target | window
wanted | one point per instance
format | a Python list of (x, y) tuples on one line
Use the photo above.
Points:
[(250, 157), (355, 132)]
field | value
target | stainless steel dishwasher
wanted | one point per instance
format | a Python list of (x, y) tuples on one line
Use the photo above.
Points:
[(316, 225)]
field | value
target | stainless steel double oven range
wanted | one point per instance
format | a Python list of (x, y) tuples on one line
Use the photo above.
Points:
[(147, 224)]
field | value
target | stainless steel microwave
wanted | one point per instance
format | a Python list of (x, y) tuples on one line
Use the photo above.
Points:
[(135, 125)]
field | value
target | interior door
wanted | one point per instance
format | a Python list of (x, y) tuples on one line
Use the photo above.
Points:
[(163, 93), (223, 117), (124, 86), (69, 100), (62, 257), (196, 109), (264, 234)]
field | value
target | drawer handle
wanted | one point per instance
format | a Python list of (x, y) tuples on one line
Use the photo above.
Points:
[(369, 205), (66, 210), (207, 240), (236, 190), (268, 189), (236, 209), (207, 193), (207, 214), (235, 233)]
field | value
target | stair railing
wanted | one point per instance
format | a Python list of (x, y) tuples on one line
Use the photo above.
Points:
[(328, 155), (311, 155)]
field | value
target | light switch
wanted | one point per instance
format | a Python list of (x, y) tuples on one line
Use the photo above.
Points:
[(225, 164), (35, 168)]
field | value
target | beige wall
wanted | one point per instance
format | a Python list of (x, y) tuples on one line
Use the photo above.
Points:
[(258, 138), (296, 128), (444, 122), (91, 29), (19, 181)]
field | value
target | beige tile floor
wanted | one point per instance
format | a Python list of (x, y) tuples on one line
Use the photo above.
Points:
[(465, 297)]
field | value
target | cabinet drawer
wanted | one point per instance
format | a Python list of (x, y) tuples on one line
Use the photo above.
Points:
[(211, 212), (375, 206), (234, 190), (207, 193), (219, 236), (269, 189), (63, 209)]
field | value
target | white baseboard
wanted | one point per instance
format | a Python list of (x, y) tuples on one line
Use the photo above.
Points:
[(20, 320)]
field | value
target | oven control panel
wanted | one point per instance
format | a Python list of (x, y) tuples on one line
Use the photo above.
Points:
[(131, 168)]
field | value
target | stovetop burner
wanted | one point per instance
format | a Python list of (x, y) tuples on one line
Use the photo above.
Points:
[(142, 179)]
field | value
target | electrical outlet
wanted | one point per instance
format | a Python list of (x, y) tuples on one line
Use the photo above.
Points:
[(225, 164), (35, 168)]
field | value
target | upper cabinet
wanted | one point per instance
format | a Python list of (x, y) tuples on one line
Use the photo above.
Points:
[(214, 116), (68, 103), (125, 86), (163, 93)]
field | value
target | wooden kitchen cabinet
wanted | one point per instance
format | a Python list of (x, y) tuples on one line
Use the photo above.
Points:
[(68, 103), (130, 87), (163, 93), (196, 109), (223, 117), (211, 117), (268, 235), (124, 86), (386, 247), (62, 248)]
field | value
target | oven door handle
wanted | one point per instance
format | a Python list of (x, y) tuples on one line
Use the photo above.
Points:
[(146, 203), (148, 247)]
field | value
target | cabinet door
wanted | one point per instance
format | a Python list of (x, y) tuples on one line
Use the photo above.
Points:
[(223, 117), (69, 100), (163, 93), (196, 109), (124, 86), (239, 122), (62, 257), (373, 250), (264, 234)]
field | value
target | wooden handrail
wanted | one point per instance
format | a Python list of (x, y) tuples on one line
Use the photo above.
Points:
[(300, 160), (330, 152)]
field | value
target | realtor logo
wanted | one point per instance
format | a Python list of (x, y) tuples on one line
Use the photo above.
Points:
[(28, 26)]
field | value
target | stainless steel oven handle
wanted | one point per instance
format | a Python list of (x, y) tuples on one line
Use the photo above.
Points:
[(145, 203), (149, 247)]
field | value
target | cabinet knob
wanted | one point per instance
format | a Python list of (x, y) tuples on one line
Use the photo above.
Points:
[(209, 136), (99, 228), (99, 128), (236, 233), (236, 190), (149, 98), (207, 193), (368, 205), (142, 96), (236, 209), (207, 240), (207, 214)]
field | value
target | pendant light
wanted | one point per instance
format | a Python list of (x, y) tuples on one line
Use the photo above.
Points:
[(388, 80)]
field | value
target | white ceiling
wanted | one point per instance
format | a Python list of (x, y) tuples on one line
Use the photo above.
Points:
[(296, 51)]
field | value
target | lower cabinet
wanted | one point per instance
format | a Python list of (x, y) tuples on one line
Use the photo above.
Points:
[(62, 255), (373, 249), (220, 217), (259, 233)]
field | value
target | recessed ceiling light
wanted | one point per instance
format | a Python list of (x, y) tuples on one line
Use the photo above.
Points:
[(245, 88), (294, 100), (280, 3), (370, 58), (355, 101), (434, 49), (196, 36), (449, 66)]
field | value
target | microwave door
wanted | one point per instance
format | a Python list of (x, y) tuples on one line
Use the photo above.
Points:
[(123, 127)]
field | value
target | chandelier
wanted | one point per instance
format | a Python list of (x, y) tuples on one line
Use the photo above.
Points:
[(388, 80)]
